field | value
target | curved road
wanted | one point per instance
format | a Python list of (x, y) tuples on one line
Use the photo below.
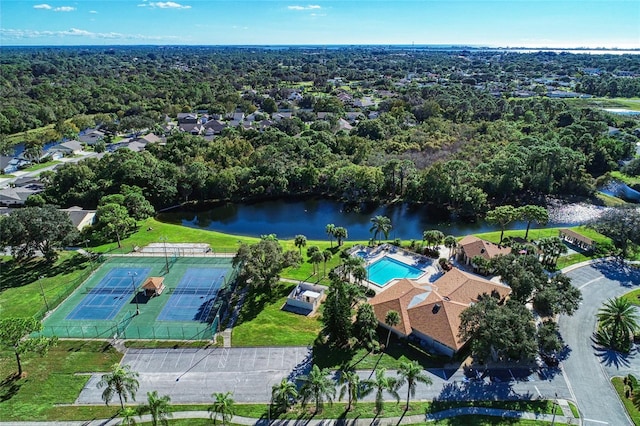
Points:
[(588, 368)]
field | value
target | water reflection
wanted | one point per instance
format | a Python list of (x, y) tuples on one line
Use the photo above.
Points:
[(287, 218)]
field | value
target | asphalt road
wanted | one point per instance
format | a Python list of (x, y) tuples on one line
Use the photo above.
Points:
[(588, 367)]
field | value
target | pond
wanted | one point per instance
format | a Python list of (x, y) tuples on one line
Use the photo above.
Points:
[(287, 218)]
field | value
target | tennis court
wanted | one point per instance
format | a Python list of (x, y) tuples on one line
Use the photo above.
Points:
[(197, 292), (106, 299), (194, 296)]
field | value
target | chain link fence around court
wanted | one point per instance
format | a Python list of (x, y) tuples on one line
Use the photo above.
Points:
[(128, 325)]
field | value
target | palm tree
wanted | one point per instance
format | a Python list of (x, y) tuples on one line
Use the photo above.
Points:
[(433, 238), (317, 385), (411, 373), (382, 383), (552, 248), (300, 241), (158, 406), (340, 233), (619, 319), (351, 386), (222, 405), (350, 265), (327, 255), (329, 229), (380, 225), (450, 242), (391, 319), (284, 394), (128, 418), (316, 258), (121, 381)]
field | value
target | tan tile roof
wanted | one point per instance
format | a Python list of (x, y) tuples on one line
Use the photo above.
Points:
[(416, 304), (153, 283), (575, 235), (397, 298), (474, 246)]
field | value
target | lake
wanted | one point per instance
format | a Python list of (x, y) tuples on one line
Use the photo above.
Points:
[(287, 218)]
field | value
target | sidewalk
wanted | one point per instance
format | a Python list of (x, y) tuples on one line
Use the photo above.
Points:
[(559, 418)]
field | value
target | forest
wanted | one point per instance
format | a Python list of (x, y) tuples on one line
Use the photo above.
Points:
[(452, 129)]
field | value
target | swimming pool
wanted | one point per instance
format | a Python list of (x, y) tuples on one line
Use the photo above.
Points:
[(385, 269)]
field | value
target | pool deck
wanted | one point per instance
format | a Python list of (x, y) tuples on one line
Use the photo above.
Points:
[(430, 266)]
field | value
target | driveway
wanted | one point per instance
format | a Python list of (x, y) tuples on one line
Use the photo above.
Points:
[(588, 367)]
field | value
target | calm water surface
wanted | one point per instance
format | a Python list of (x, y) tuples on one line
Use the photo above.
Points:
[(287, 219)]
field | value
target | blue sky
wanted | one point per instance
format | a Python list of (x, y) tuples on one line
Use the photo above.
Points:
[(504, 23)]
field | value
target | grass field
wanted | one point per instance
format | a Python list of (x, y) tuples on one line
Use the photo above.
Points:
[(634, 413), (628, 103), (264, 323), (20, 292), (52, 379), (41, 166), (633, 297), (629, 180)]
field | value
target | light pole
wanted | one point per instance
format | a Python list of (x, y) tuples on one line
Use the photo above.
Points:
[(553, 419), (42, 291), (269, 404), (86, 249), (135, 293), (166, 259)]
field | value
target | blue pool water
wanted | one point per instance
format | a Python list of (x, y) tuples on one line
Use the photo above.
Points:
[(385, 269)]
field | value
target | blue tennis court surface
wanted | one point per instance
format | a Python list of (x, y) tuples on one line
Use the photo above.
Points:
[(194, 296), (106, 299)]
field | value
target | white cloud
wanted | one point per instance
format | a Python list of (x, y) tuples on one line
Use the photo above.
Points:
[(165, 5), (64, 9), (42, 6), (93, 11), (16, 34), (309, 7)]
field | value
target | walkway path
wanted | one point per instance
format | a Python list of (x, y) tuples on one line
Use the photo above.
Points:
[(563, 418)]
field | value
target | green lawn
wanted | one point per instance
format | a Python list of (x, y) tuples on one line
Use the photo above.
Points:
[(20, 293), (609, 201), (53, 379), (262, 322), (634, 413), (633, 297), (629, 180), (41, 166)]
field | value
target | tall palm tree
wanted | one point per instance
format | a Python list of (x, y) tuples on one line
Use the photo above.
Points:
[(329, 229), (158, 406), (351, 385), (317, 385), (222, 405), (411, 373), (284, 394), (380, 225), (327, 255), (380, 384), (121, 381), (450, 242), (391, 319), (433, 238), (619, 319), (341, 234), (350, 264), (300, 241), (316, 258)]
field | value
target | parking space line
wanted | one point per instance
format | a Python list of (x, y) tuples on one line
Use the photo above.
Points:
[(590, 282)]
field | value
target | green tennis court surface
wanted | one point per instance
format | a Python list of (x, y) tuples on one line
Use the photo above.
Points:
[(197, 290)]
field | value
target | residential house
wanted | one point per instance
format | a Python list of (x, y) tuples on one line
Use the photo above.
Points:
[(187, 118), (282, 115), (16, 196), (68, 148), (193, 128), (471, 246), (79, 217), (8, 164), (91, 136), (214, 127), (430, 312)]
